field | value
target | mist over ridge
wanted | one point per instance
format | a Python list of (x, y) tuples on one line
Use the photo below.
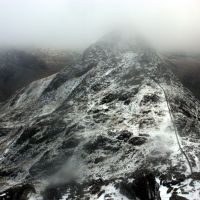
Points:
[(75, 24)]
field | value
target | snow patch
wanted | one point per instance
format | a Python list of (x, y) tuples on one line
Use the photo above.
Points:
[(111, 193)]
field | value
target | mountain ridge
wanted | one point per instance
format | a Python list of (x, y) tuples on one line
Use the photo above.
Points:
[(102, 128)]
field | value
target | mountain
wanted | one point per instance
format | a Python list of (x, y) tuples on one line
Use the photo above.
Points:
[(116, 125), (18, 68)]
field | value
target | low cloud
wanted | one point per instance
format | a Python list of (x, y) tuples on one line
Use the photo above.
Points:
[(171, 25)]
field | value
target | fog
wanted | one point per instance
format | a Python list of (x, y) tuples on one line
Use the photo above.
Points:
[(171, 25)]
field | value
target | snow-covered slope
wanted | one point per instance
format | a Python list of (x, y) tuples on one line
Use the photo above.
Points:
[(102, 129)]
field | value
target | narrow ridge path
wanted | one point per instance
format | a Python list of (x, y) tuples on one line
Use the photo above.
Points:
[(174, 125)]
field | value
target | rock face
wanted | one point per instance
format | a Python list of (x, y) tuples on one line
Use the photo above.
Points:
[(19, 68), (144, 187), (93, 130)]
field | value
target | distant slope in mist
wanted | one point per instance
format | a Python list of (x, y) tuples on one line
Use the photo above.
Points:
[(55, 59), (18, 68), (187, 68)]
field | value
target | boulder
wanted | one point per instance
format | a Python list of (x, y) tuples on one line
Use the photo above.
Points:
[(137, 141), (124, 135)]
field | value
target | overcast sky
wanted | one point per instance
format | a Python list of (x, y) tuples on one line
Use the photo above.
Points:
[(170, 24)]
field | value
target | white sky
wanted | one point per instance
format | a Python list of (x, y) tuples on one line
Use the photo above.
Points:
[(170, 24)]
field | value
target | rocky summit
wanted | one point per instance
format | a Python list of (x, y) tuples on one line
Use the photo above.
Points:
[(117, 125)]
